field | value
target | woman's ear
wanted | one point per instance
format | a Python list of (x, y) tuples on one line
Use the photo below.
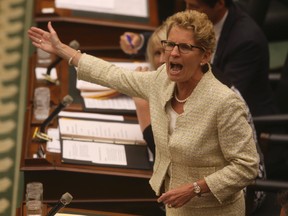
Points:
[(207, 57)]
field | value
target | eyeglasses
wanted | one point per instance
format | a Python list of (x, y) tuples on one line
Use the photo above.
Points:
[(182, 47)]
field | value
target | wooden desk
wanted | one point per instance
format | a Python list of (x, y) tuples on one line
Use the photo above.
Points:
[(46, 208), (91, 186)]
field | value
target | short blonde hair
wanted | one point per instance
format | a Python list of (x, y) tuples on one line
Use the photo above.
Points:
[(201, 26), (155, 39)]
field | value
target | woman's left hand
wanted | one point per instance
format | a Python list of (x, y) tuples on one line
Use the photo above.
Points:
[(177, 197), (45, 40)]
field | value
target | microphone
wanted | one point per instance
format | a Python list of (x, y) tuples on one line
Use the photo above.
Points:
[(65, 200), (73, 44), (39, 132), (67, 100)]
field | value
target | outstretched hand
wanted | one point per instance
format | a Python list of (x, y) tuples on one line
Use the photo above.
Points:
[(47, 41)]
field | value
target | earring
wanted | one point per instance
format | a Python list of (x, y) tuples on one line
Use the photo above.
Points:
[(201, 64)]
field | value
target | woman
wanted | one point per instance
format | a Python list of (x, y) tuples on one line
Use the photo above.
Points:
[(155, 56), (205, 153)]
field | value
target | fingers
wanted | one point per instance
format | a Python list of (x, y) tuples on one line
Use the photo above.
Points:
[(36, 41), (125, 46), (127, 43), (173, 199), (35, 33), (163, 198), (145, 68), (141, 69)]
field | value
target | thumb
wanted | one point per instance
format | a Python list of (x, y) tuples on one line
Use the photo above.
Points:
[(54, 39), (50, 28)]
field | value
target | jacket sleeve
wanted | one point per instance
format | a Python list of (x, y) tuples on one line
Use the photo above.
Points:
[(129, 82), (238, 148)]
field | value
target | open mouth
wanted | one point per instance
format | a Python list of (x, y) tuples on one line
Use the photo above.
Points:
[(175, 68)]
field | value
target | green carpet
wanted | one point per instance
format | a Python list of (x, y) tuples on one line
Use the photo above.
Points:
[(15, 19)]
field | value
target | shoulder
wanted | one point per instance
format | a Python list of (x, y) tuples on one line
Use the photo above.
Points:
[(239, 28), (242, 36), (214, 91), (241, 23)]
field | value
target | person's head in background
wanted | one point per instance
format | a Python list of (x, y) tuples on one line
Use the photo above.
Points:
[(155, 51), (215, 9), (283, 200)]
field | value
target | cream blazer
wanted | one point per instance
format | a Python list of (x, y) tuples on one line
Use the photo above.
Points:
[(212, 138)]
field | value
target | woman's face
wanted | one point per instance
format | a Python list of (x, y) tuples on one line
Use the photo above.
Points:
[(158, 55), (184, 67)]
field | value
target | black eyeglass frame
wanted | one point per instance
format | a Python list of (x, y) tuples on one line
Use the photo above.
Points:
[(191, 46)]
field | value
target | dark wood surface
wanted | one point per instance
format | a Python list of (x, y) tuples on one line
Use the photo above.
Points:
[(21, 211)]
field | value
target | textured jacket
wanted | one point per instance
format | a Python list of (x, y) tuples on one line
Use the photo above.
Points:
[(212, 138)]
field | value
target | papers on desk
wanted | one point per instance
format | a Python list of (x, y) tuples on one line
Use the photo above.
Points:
[(105, 154), (67, 214), (102, 141), (97, 97), (40, 73), (94, 152), (100, 131), (86, 115), (122, 102), (70, 214), (54, 144)]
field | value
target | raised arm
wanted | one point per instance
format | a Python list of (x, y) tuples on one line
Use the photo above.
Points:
[(50, 42)]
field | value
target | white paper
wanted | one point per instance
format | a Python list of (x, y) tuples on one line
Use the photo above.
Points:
[(88, 86), (53, 145), (49, 10), (39, 71), (86, 5), (86, 115), (116, 132), (138, 8), (100, 153), (122, 102), (67, 214)]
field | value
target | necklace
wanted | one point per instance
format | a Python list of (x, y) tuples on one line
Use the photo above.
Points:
[(180, 101)]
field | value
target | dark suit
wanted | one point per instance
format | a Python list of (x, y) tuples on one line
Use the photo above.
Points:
[(242, 56), (242, 59)]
